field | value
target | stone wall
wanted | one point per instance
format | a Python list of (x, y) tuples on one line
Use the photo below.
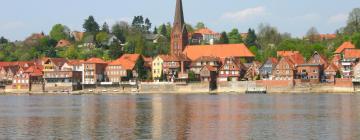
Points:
[(275, 83), (174, 88), (236, 86), (59, 87)]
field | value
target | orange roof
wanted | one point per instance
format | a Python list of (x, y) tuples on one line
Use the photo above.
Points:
[(332, 67), (345, 45), (286, 53), (221, 51), (95, 60), (327, 36), (206, 31), (294, 56), (168, 58), (128, 61), (75, 62), (352, 53), (210, 68), (35, 70)]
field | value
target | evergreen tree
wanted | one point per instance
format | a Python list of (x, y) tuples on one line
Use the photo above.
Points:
[(105, 28), (91, 26), (224, 38), (3, 40), (147, 25), (251, 38), (155, 31), (163, 30)]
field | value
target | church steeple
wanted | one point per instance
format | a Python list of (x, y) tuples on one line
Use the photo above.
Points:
[(179, 34), (179, 14)]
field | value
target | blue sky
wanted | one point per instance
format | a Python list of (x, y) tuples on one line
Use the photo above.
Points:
[(20, 18)]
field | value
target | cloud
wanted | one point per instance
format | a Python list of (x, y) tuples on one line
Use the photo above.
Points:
[(339, 18), (245, 14), (6, 26)]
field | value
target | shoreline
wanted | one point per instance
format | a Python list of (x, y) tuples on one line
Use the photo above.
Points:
[(81, 93)]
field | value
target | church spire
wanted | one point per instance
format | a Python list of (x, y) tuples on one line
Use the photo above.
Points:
[(179, 15), (179, 34)]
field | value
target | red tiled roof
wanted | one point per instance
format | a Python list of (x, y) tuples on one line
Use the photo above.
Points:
[(286, 53), (34, 70), (352, 53), (332, 67), (167, 58), (58, 61), (294, 56), (128, 61), (327, 36), (221, 51), (206, 31), (344, 46), (75, 62), (95, 60), (210, 68)]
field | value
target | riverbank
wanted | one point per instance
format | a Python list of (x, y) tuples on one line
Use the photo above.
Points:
[(198, 88)]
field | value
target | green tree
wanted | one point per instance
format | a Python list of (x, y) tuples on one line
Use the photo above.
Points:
[(105, 28), (115, 50), (102, 38), (163, 30), (251, 38), (155, 30), (355, 39), (147, 25), (91, 26), (59, 32), (71, 52), (235, 37), (192, 76), (189, 28), (224, 38), (3, 40), (200, 25), (141, 25), (120, 30)]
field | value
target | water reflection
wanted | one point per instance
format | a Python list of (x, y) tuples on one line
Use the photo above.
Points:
[(180, 117)]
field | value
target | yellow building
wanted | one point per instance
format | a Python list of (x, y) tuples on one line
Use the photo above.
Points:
[(157, 67)]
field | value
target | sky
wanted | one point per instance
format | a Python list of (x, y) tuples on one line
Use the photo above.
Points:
[(21, 18)]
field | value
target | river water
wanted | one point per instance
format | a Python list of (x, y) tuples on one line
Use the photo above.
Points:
[(193, 117)]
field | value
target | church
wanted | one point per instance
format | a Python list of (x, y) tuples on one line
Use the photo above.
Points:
[(184, 56), (180, 42)]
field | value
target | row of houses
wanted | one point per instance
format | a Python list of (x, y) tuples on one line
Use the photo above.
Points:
[(208, 63), (70, 74)]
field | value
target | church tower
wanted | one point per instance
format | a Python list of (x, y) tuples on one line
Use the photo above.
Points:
[(179, 34)]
